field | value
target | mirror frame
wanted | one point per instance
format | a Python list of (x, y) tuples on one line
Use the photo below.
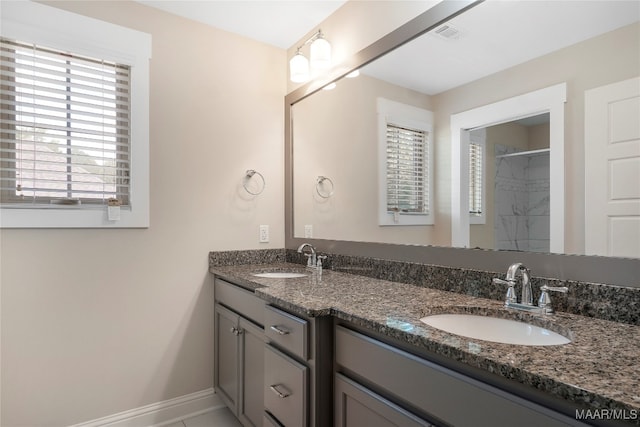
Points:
[(595, 269)]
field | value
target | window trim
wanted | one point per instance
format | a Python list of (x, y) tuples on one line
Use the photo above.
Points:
[(51, 27), (403, 115)]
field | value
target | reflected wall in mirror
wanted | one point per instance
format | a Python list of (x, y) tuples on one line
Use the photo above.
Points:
[(492, 52)]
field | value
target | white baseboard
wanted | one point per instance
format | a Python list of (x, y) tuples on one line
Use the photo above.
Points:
[(161, 413)]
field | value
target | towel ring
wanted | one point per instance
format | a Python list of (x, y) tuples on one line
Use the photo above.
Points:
[(250, 173), (319, 183)]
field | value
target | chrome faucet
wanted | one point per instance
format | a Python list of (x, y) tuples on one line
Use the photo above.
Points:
[(526, 302), (527, 294), (510, 281), (311, 257)]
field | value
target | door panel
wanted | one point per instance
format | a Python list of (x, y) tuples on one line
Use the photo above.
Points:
[(612, 170), (252, 402), (226, 351)]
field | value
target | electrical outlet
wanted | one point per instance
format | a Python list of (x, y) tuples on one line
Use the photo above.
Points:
[(264, 233), (308, 231)]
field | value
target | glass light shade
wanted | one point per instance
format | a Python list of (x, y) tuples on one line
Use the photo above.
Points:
[(299, 68), (353, 74), (320, 54)]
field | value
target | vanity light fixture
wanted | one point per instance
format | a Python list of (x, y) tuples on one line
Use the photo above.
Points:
[(300, 67)]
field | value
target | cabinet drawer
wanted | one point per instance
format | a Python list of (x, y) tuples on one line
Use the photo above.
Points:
[(436, 390), (285, 388), (240, 300), (286, 331)]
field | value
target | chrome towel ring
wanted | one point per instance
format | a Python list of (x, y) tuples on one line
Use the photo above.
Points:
[(320, 187), (245, 181)]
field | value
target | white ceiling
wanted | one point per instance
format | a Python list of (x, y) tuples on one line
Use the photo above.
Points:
[(276, 22)]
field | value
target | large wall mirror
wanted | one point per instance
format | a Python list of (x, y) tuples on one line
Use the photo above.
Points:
[(504, 165)]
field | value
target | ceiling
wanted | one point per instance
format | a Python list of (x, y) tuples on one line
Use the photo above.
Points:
[(496, 35), (276, 22)]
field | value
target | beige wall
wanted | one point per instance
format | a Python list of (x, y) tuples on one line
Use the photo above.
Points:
[(95, 322), (344, 121)]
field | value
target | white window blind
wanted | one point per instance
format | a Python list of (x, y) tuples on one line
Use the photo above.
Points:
[(475, 178), (407, 173), (65, 127)]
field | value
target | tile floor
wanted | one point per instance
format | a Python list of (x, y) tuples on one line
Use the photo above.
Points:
[(219, 418)]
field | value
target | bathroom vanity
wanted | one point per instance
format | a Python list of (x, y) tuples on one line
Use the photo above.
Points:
[(347, 350), (269, 363)]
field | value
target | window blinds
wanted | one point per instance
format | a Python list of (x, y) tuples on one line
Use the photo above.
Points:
[(64, 127), (407, 174), (475, 178)]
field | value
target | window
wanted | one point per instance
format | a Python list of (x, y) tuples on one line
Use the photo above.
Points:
[(405, 164), (74, 117), (477, 143), (407, 181), (65, 128)]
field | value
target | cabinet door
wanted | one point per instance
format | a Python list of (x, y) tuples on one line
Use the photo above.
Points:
[(357, 406), (252, 373), (226, 371)]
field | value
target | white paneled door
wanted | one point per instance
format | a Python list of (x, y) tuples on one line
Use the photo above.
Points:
[(612, 169)]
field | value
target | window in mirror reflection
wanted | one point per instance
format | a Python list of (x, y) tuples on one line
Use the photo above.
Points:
[(405, 134), (406, 166), (476, 181)]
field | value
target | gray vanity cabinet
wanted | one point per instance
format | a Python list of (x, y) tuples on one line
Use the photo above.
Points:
[(378, 381), (239, 348), (272, 368)]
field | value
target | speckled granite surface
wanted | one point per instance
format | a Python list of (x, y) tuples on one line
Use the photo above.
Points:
[(600, 368), (616, 303), (251, 256)]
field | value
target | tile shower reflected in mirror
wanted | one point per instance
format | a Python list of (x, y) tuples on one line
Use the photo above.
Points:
[(517, 188)]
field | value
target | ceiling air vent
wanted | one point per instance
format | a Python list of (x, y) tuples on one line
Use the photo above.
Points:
[(447, 32)]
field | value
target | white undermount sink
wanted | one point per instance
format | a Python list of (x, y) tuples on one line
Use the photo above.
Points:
[(495, 329), (280, 275)]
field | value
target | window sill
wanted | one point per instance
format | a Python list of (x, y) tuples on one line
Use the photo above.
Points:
[(70, 218)]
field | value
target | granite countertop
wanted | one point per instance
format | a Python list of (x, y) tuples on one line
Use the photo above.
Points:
[(600, 368)]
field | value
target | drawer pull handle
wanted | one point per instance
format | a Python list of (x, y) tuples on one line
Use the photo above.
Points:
[(274, 388), (280, 331)]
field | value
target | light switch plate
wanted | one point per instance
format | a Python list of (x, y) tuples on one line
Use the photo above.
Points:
[(308, 231)]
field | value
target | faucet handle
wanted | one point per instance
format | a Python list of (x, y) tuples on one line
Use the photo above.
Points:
[(562, 289), (511, 292), (544, 302), (309, 260)]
